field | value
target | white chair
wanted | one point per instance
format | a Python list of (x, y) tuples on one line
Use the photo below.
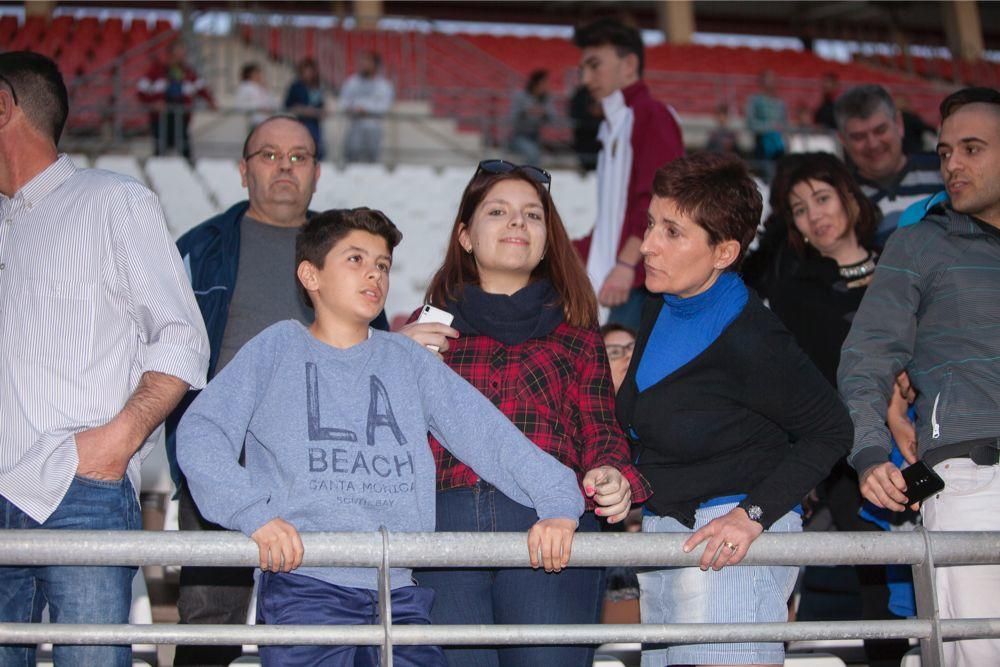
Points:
[(122, 164), (911, 659), (222, 179), (80, 160), (184, 199)]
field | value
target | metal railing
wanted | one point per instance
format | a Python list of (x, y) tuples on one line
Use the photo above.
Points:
[(382, 550)]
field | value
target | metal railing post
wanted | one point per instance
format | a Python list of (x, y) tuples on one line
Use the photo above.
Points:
[(931, 650), (385, 599)]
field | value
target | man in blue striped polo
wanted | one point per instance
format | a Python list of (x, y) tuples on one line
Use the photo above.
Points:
[(870, 128)]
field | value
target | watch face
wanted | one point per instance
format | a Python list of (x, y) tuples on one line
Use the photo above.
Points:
[(755, 512)]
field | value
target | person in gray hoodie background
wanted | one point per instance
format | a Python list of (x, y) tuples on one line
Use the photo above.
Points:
[(933, 310)]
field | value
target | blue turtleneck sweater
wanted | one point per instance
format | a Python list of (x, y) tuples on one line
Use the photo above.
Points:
[(686, 327)]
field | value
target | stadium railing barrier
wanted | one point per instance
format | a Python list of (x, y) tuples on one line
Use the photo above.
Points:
[(924, 551)]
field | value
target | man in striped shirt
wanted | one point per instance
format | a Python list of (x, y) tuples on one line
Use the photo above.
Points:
[(100, 337), (870, 127)]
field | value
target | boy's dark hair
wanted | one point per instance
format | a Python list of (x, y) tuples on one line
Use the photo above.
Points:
[(625, 39), (38, 86), (718, 194), (975, 95), (325, 230), (862, 102)]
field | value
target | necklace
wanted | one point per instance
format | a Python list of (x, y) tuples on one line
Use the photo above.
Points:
[(859, 270), (860, 273)]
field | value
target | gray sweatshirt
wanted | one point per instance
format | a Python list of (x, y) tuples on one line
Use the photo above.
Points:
[(336, 440), (933, 309)]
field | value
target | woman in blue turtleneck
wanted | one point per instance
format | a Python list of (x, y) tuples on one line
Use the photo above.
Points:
[(733, 424)]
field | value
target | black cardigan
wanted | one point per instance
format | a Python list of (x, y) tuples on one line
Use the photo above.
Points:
[(750, 414), (816, 305)]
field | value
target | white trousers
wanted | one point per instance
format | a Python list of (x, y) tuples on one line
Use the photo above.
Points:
[(969, 501)]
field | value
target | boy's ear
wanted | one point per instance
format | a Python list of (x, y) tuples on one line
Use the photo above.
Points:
[(306, 273)]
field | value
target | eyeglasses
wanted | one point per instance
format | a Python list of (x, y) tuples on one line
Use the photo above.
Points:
[(537, 174), (296, 158), (616, 351), (13, 93)]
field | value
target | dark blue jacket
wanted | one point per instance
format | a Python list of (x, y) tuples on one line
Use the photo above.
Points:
[(211, 256)]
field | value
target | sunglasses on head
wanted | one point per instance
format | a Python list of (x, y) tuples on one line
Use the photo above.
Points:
[(537, 174)]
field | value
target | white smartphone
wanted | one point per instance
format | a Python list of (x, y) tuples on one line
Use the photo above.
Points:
[(431, 314)]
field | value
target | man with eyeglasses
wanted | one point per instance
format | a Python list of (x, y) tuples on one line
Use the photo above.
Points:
[(242, 268), (100, 337)]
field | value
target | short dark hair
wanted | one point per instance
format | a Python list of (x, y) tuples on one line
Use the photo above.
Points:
[(863, 215), (624, 38), (862, 102), (325, 230), (277, 116), (248, 70), (40, 90), (612, 327), (717, 192), (974, 95), (536, 77)]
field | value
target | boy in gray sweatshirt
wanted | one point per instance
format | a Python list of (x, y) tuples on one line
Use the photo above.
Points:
[(333, 420)]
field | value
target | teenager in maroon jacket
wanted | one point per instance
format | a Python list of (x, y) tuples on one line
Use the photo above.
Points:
[(527, 338), (638, 136)]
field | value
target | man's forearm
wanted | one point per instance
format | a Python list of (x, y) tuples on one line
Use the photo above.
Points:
[(150, 404)]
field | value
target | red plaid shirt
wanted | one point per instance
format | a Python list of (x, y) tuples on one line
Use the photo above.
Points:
[(557, 390)]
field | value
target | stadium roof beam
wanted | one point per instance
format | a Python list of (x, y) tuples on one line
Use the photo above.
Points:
[(963, 29)]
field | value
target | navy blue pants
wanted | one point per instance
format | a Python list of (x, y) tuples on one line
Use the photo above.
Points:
[(510, 595), (294, 599)]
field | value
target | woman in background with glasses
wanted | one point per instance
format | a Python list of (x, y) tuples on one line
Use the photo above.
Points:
[(528, 339)]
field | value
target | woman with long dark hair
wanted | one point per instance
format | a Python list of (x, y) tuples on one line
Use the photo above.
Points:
[(527, 319), (816, 282)]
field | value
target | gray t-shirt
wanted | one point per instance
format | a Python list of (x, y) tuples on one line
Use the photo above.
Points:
[(266, 287)]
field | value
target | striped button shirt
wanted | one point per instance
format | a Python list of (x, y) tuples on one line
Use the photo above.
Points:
[(92, 295)]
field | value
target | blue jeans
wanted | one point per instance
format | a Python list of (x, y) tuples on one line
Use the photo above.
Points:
[(74, 594), (514, 595), (294, 599)]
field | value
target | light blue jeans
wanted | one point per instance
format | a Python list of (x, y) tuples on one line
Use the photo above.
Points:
[(74, 594)]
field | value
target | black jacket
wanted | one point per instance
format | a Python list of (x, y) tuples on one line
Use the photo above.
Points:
[(749, 415), (815, 304)]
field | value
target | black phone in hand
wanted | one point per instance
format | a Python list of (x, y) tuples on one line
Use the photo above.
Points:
[(921, 482)]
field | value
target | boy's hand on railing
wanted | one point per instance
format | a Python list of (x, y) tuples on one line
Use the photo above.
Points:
[(883, 485), (280, 546), (550, 542), (610, 490), (729, 538)]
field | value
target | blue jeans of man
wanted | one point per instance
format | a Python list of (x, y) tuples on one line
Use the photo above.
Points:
[(509, 595), (86, 594)]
